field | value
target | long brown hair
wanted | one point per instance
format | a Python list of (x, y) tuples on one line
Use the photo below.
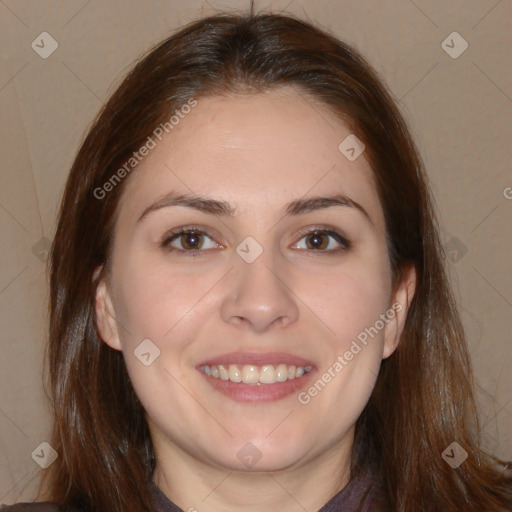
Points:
[(423, 400)]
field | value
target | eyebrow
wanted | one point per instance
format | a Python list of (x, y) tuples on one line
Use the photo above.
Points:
[(217, 207)]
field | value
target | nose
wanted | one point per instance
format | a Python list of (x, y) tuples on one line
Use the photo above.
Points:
[(258, 297)]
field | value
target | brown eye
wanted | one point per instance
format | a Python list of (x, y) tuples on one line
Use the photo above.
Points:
[(189, 242), (322, 241), (317, 241)]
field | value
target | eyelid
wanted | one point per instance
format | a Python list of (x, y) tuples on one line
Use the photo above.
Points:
[(326, 230), (176, 232)]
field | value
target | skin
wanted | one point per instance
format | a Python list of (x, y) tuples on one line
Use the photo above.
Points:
[(257, 152)]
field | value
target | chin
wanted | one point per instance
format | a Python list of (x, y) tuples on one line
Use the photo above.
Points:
[(260, 453)]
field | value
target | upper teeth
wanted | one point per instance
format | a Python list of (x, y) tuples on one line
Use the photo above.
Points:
[(252, 374)]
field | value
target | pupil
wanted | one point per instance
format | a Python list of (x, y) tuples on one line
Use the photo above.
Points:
[(191, 240), (316, 240)]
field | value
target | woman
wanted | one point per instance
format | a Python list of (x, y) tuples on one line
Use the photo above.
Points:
[(248, 304)]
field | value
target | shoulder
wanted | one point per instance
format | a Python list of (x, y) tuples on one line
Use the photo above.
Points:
[(31, 507), (374, 500), (37, 507)]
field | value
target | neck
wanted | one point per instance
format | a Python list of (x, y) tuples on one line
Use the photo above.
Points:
[(195, 485)]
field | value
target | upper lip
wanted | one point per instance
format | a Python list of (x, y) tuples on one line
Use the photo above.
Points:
[(257, 359)]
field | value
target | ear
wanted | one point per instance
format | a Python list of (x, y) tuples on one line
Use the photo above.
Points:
[(401, 300), (106, 322)]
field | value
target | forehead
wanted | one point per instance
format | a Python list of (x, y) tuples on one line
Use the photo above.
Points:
[(256, 151)]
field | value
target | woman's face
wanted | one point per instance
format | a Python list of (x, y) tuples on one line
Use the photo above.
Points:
[(261, 299)]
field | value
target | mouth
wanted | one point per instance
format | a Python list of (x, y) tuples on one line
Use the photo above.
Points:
[(257, 377)]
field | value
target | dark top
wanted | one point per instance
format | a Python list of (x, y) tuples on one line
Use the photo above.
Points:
[(360, 495)]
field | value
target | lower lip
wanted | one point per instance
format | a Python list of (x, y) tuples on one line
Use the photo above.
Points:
[(241, 392)]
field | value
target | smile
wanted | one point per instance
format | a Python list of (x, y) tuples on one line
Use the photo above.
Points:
[(257, 376), (254, 374)]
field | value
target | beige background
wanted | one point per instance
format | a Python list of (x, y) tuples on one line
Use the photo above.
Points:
[(459, 110)]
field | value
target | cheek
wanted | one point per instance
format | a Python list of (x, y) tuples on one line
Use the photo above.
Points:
[(351, 356), (161, 305), (350, 302), (154, 300)]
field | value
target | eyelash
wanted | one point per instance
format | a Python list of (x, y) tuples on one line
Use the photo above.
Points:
[(196, 230)]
